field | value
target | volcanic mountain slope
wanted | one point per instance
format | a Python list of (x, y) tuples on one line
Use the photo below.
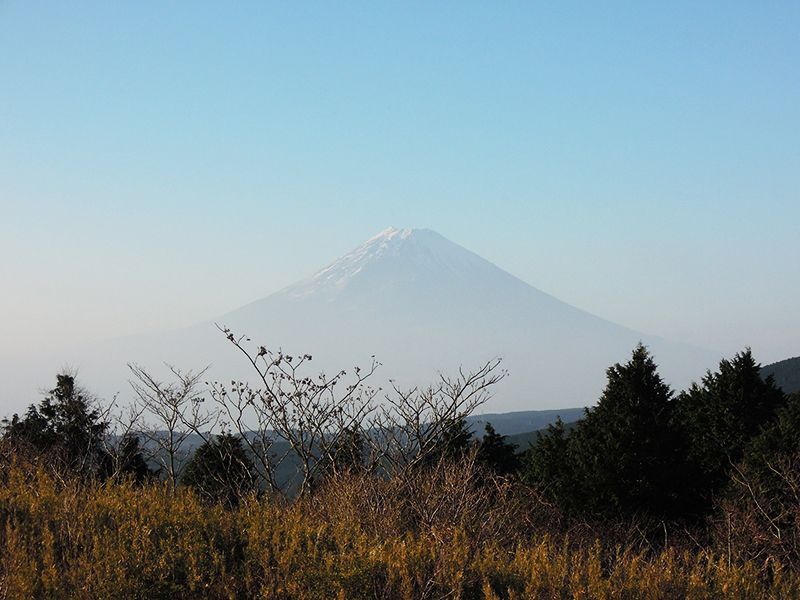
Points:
[(421, 304)]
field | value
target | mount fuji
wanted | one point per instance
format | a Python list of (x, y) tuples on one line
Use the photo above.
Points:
[(420, 304)]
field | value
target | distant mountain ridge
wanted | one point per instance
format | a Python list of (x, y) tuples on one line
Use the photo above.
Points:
[(786, 374), (523, 422)]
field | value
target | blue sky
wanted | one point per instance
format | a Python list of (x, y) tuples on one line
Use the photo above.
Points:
[(165, 163)]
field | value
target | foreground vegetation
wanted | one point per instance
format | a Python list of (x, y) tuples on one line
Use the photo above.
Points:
[(651, 495), (442, 534)]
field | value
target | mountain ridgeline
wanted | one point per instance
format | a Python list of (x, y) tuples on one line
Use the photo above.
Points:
[(786, 374), (421, 305)]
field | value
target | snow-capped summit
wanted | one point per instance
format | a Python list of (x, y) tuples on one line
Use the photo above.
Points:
[(421, 303), (390, 233), (409, 265), (341, 270)]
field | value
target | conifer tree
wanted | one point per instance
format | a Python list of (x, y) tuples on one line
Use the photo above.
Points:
[(130, 461), (624, 455), (547, 464), (496, 454), (452, 443), (719, 418), (220, 470), (66, 427), (347, 452), (762, 496), (781, 437)]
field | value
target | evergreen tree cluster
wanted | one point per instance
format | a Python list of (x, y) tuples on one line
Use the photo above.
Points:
[(68, 430), (645, 450), (493, 452)]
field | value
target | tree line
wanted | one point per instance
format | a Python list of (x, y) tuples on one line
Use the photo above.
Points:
[(724, 451), (284, 437)]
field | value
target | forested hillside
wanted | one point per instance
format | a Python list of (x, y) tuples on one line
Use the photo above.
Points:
[(786, 374)]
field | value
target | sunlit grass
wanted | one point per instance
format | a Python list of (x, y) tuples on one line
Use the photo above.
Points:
[(68, 539)]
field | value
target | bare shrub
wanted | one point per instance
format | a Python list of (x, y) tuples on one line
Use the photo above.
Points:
[(407, 428), (450, 496), (167, 415), (322, 425), (760, 518)]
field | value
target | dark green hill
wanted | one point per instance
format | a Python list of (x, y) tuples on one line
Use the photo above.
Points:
[(786, 374), (522, 422), (523, 440)]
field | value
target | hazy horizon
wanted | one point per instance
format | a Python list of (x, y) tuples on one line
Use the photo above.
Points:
[(161, 166)]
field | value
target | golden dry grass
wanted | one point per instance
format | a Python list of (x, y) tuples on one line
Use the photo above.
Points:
[(355, 539)]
